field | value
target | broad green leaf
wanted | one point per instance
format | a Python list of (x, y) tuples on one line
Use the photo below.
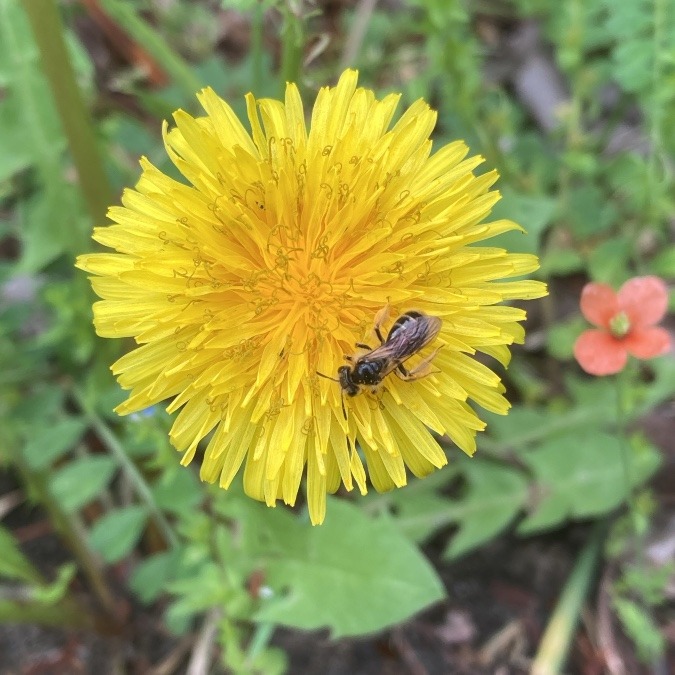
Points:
[(581, 475), (608, 262), (115, 534), (178, 491), (49, 443), (422, 514), (495, 496), (50, 223), (352, 574), (82, 479), (533, 213), (560, 262), (562, 336), (589, 211), (663, 263), (31, 132), (151, 576), (13, 563)]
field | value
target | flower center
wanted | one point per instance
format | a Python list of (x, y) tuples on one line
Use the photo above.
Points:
[(619, 325)]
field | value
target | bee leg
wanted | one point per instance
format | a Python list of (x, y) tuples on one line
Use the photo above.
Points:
[(344, 410), (380, 318), (349, 358), (363, 345), (423, 369)]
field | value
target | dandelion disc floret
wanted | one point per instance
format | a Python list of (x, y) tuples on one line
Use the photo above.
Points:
[(272, 261)]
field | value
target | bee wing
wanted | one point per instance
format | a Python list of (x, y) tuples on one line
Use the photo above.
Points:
[(409, 339)]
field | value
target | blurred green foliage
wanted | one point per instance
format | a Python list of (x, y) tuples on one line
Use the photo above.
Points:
[(594, 208)]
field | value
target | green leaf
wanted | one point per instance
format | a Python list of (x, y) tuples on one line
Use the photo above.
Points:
[(178, 491), (495, 496), (82, 479), (50, 594), (50, 443), (641, 628), (31, 132), (582, 475), (663, 263), (421, 514), (562, 336), (589, 211), (152, 575), (353, 574), (560, 262), (115, 534), (608, 261), (13, 563), (534, 213)]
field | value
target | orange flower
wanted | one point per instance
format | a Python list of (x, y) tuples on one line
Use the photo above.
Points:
[(626, 324)]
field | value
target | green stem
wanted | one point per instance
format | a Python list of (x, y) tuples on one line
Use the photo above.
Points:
[(154, 44), (555, 643), (292, 42), (105, 433), (64, 614), (622, 418), (261, 637), (77, 124), (89, 563), (257, 20)]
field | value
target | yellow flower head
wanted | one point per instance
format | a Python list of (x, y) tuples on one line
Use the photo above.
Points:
[(282, 252)]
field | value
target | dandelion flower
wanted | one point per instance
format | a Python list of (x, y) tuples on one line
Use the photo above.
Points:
[(626, 324), (273, 260)]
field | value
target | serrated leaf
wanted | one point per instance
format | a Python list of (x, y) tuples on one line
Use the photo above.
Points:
[(13, 563), (352, 574), (495, 496), (115, 534), (82, 479), (582, 475), (152, 575), (49, 443)]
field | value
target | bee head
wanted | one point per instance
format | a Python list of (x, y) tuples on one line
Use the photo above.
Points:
[(348, 385)]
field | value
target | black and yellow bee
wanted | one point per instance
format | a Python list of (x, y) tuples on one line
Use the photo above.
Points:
[(411, 332)]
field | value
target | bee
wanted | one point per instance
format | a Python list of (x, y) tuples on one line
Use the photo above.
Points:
[(411, 332)]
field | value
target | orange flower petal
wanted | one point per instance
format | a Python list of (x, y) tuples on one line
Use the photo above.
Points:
[(598, 353), (647, 343), (644, 299), (598, 304)]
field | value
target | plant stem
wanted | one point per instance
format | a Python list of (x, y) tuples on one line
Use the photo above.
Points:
[(77, 124), (292, 41), (555, 643), (622, 419), (67, 528), (259, 641), (154, 44), (65, 614), (111, 442), (257, 19)]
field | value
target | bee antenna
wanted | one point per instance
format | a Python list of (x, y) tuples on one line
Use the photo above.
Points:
[(328, 377)]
